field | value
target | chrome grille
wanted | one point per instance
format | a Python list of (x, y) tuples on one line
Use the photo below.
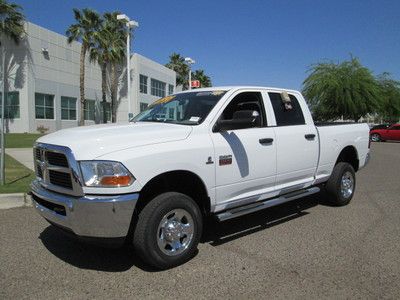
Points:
[(56, 159), (60, 178), (56, 169)]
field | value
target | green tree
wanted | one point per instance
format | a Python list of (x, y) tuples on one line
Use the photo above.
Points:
[(177, 63), (87, 24), (205, 81), (346, 89), (390, 98), (11, 26), (108, 51), (116, 37), (11, 21)]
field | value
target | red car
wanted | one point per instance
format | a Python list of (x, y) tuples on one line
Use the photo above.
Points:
[(391, 133)]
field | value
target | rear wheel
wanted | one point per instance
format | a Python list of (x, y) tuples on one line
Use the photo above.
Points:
[(341, 185), (168, 230), (375, 137)]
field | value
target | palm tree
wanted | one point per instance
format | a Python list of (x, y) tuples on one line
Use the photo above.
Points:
[(87, 24), (109, 51), (205, 81), (11, 21), (117, 42), (11, 26), (177, 63), (346, 89)]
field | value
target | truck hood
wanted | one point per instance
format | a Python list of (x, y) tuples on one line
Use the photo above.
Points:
[(90, 142)]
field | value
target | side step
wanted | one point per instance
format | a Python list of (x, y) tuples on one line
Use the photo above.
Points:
[(253, 207)]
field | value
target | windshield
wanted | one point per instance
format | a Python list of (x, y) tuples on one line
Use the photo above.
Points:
[(186, 108)]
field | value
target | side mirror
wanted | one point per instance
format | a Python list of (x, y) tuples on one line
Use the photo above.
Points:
[(240, 119)]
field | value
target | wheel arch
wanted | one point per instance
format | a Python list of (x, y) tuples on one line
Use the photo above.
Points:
[(349, 154), (182, 181)]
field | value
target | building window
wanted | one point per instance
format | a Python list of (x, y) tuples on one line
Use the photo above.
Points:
[(89, 109), (68, 108), (143, 84), (44, 106), (143, 106), (157, 88), (108, 111), (170, 89), (11, 110)]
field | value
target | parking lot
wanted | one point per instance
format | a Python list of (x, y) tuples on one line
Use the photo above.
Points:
[(304, 249)]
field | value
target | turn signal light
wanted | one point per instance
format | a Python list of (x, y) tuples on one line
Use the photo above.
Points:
[(124, 180)]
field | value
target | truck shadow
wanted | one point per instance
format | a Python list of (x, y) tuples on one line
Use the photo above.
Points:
[(87, 256), (218, 233)]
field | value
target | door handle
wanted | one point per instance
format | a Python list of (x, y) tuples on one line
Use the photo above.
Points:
[(310, 136), (266, 141)]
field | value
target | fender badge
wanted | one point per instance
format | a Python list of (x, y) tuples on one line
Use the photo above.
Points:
[(225, 160), (209, 161)]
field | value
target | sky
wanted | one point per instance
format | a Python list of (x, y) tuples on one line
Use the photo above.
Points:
[(253, 42)]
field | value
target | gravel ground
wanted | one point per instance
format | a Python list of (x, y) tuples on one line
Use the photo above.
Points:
[(304, 249)]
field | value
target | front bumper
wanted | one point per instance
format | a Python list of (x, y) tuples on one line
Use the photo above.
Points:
[(91, 216)]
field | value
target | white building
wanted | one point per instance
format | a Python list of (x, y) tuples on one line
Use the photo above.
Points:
[(43, 83)]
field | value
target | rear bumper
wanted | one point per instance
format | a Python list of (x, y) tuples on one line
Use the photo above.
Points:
[(89, 216), (365, 160)]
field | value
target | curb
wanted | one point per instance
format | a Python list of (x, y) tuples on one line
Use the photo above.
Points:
[(8, 201)]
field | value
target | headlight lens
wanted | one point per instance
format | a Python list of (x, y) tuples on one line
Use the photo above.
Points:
[(105, 174)]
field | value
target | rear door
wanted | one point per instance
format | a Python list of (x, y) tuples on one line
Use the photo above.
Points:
[(296, 141)]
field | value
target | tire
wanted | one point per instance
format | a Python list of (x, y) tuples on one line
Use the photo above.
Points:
[(341, 185), (375, 137), (168, 230)]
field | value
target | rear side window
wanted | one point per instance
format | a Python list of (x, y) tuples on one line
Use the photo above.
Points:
[(283, 116)]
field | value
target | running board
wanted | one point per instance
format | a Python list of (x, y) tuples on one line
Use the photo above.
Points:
[(253, 207)]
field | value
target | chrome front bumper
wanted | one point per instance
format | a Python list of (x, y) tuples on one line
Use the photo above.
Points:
[(87, 216)]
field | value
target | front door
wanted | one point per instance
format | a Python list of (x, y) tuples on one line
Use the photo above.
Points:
[(245, 158)]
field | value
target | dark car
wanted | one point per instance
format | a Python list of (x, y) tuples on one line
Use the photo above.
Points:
[(380, 126)]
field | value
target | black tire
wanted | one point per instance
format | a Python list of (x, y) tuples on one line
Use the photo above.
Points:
[(376, 137), (336, 195), (147, 233)]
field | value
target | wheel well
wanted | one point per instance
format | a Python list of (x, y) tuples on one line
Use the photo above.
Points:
[(184, 182), (349, 155)]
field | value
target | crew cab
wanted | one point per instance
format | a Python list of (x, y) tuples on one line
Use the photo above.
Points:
[(391, 133), (222, 152)]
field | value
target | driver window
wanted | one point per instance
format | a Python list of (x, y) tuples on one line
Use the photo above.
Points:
[(244, 102)]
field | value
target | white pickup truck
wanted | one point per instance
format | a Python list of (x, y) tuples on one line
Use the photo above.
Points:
[(225, 152)]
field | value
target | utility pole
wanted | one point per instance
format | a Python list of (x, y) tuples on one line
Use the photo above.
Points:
[(3, 89), (190, 62)]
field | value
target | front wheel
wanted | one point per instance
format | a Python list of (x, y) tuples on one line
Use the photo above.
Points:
[(168, 230), (375, 137), (341, 185)]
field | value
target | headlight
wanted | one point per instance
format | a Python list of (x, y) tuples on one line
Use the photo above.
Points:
[(105, 174)]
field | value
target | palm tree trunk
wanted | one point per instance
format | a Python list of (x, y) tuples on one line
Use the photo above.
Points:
[(104, 90), (114, 92), (81, 121)]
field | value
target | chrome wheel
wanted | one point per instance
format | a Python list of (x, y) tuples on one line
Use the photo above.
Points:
[(347, 184), (175, 232), (375, 137)]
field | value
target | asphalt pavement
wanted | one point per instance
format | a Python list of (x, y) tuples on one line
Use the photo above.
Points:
[(305, 249)]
